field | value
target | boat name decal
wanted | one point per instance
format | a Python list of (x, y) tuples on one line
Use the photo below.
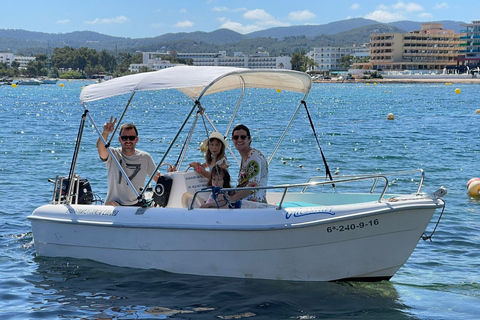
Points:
[(308, 211), (99, 212)]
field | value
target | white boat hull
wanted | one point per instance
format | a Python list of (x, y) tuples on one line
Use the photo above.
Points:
[(368, 241)]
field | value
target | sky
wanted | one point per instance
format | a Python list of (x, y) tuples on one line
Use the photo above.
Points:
[(150, 18)]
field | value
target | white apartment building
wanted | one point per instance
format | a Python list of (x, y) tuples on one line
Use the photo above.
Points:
[(261, 60), (8, 58), (153, 61), (328, 58)]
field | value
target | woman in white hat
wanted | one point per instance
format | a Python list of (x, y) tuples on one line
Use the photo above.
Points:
[(214, 155)]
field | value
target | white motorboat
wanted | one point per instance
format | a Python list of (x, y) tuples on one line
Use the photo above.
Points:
[(29, 82), (49, 81), (307, 231)]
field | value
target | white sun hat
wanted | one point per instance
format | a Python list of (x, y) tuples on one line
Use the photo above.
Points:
[(219, 136)]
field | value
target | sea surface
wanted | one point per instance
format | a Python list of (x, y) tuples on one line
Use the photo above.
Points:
[(434, 129)]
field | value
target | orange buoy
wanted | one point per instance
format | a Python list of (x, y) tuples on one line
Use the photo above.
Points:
[(474, 188), (471, 180)]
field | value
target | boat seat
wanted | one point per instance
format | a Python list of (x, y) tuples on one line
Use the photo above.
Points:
[(183, 182), (297, 204)]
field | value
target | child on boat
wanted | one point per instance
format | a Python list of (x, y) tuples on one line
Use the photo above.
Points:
[(215, 155), (219, 178)]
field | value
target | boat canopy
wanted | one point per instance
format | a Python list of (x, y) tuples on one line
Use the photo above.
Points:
[(196, 81)]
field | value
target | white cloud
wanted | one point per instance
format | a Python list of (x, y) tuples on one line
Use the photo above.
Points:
[(396, 12), (117, 19), (63, 21), (426, 15), (258, 14), (240, 28), (260, 21), (442, 5), (184, 24), (408, 7), (225, 9), (263, 18), (301, 15), (385, 16), (219, 9), (355, 6)]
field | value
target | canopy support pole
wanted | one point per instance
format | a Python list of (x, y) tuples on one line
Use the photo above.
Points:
[(120, 120), (139, 197), (327, 170), (197, 103), (286, 130), (71, 174)]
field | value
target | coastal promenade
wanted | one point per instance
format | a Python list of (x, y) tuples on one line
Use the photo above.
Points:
[(454, 78)]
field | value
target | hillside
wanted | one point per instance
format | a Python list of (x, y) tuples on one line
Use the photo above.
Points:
[(311, 31), (277, 41)]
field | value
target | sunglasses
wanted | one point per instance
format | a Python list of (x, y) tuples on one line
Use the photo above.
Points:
[(243, 137), (125, 138)]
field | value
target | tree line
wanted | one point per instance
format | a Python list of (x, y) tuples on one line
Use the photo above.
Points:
[(70, 63), (81, 63)]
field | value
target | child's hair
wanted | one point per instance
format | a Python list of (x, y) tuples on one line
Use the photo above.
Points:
[(216, 171), (208, 155)]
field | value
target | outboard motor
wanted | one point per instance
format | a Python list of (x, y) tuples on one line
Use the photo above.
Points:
[(81, 189)]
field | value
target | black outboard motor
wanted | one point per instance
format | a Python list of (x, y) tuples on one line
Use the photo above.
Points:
[(81, 188)]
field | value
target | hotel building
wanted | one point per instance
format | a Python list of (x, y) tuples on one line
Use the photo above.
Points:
[(431, 48), (470, 46), (8, 58), (260, 60)]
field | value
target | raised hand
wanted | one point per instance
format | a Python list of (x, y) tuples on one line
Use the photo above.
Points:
[(108, 127)]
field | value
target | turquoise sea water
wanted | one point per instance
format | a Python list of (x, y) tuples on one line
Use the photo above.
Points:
[(434, 129)]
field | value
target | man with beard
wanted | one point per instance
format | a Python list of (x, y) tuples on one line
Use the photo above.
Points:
[(137, 165)]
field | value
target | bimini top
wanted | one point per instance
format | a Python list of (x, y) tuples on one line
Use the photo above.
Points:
[(196, 81)]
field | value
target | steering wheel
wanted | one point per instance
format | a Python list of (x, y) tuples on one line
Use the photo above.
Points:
[(165, 164)]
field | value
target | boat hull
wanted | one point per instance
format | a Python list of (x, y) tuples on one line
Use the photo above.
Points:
[(29, 83), (368, 241), (49, 81)]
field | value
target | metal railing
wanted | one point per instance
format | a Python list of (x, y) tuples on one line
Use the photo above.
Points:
[(377, 176), (311, 183)]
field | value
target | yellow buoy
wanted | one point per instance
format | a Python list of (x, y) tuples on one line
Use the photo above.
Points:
[(14, 85), (62, 85), (390, 116), (368, 84), (474, 188), (457, 91), (278, 90), (375, 83), (204, 146)]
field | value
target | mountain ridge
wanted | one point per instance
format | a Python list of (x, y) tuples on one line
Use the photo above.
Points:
[(339, 33)]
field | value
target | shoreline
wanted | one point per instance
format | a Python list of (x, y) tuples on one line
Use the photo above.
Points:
[(467, 79)]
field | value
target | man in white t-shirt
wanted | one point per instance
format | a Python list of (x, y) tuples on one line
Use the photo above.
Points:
[(137, 165)]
